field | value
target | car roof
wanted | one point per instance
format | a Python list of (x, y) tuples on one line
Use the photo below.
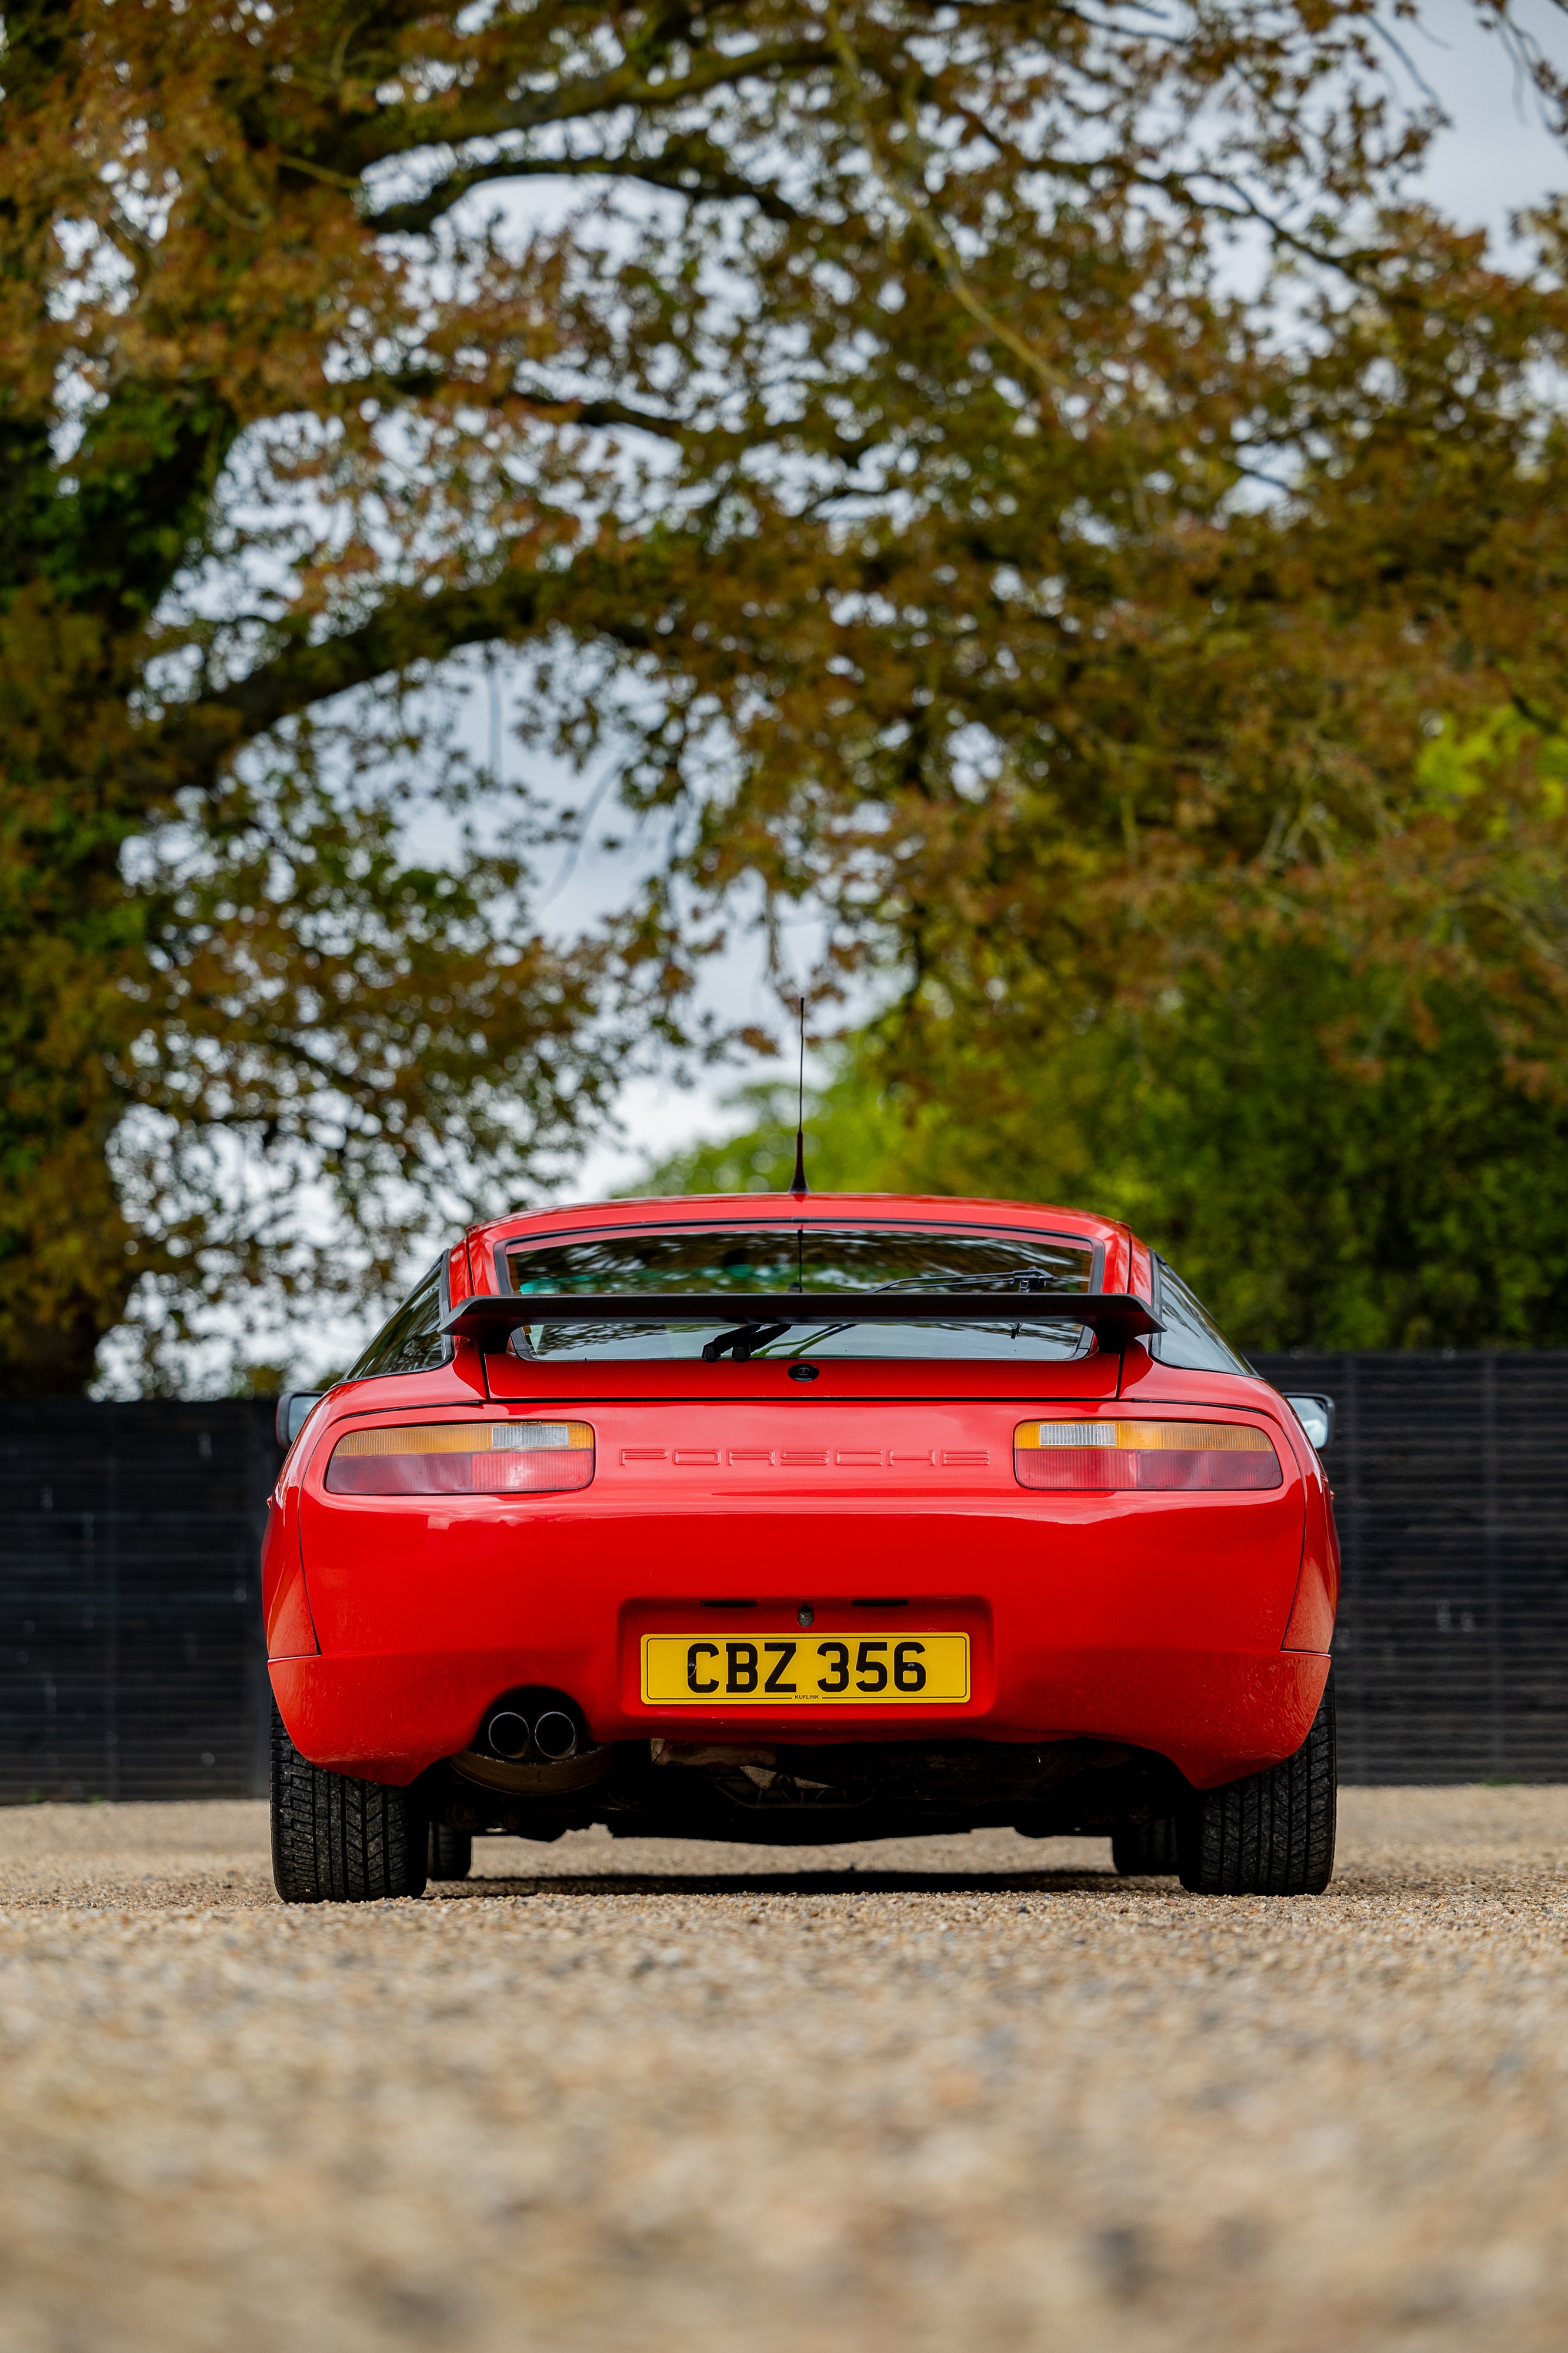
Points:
[(810, 1208)]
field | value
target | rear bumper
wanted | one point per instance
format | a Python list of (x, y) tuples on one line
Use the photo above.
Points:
[(1155, 1621), (1216, 1714)]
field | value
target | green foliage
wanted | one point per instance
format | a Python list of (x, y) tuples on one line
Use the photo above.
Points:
[(1309, 1207), (1335, 1152)]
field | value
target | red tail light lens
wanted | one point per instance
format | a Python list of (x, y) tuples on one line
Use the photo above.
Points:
[(463, 1458), (1153, 1457)]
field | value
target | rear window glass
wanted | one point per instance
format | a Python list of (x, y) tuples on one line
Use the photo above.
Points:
[(411, 1342), (1190, 1340), (834, 1263)]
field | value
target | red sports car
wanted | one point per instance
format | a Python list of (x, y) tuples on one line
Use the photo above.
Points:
[(800, 1519)]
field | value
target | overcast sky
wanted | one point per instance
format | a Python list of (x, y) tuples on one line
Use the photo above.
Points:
[(1497, 157)]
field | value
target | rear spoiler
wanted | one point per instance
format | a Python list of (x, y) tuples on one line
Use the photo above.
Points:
[(1115, 1318)]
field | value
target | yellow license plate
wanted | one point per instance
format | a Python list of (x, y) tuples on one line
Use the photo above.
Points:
[(791, 1670)]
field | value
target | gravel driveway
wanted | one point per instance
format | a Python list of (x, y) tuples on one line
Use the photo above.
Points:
[(925, 2096)]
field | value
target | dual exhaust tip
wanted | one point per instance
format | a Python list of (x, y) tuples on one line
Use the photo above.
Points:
[(544, 1730)]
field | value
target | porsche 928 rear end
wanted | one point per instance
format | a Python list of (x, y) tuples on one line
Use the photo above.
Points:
[(802, 1519)]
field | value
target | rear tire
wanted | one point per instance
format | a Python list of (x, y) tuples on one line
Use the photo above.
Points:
[(336, 1840), (1145, 1850), (451, 1852), (1272, 1834)]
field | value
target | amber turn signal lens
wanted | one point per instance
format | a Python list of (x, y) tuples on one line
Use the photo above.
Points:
[(463, 1458), (1151, 1457)]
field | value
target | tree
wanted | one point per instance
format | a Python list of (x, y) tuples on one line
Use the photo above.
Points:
[(1347, 1128), (879, 475)]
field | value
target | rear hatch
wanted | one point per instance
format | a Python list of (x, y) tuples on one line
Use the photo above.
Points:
[(721, 1517)]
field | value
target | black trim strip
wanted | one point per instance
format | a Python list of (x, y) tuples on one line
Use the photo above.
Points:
[(1114, 1317)]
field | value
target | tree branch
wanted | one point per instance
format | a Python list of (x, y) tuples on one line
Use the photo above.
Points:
[(681, 168), (410, 626), (605, 416), (395, 131)]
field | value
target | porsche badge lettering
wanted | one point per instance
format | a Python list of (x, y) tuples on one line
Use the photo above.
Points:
[(803, 1457)]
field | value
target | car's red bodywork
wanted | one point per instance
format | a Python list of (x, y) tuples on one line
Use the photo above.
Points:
[(1194, 1626)]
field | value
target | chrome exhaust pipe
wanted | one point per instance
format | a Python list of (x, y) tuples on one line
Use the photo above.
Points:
[(555, 1735), (507, 1734)]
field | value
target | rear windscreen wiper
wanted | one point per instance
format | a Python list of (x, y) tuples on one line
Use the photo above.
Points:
[(739, 1343)]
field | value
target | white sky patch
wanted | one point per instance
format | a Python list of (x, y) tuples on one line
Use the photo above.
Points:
[(1498, 157)]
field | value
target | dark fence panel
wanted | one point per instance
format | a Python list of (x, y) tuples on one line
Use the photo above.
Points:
[(131, 1656), (1450, 1478)]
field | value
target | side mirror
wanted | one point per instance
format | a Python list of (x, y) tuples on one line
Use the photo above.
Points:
[(292, 1410), (1316, 1416)]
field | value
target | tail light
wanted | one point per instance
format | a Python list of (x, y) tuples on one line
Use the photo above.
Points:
[(1161, 1457), (463, 1458)]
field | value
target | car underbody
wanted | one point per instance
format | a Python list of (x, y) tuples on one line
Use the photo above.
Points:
[(809, 1794)]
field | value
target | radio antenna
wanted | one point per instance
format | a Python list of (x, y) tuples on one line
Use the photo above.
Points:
[(798, 1185)]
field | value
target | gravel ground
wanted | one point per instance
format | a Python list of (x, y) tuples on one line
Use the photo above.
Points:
[(925, 2097)]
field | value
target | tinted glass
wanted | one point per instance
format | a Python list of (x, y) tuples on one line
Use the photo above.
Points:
[(1190, 1340), (833, 1262), (412, 1341)]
